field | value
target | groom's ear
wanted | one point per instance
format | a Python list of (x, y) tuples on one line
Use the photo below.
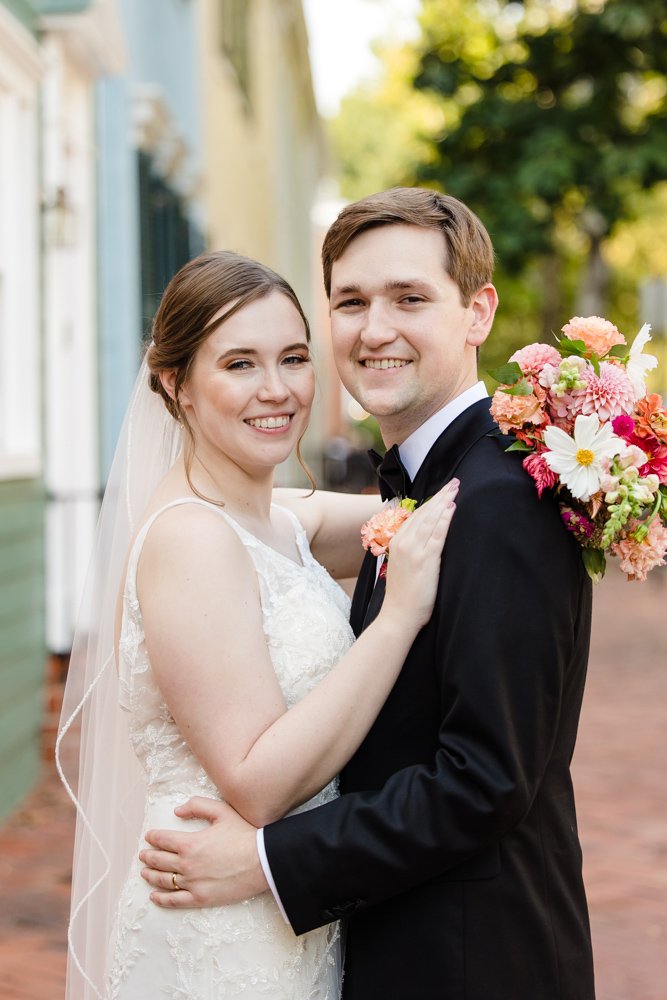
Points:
[(483, 304)]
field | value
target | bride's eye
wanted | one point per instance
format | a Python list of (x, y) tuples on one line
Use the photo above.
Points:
[(239, 365), (296, 359)]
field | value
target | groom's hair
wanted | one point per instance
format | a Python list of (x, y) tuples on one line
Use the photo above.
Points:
[(468, 257)]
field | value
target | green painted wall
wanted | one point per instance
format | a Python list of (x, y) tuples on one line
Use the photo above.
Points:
[(27, 11), (60, 6), (23, 11), (22, 652)]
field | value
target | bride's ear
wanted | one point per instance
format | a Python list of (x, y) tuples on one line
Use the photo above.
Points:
[(168, 379)]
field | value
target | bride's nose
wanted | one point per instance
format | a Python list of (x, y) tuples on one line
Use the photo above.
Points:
[(273, 386)]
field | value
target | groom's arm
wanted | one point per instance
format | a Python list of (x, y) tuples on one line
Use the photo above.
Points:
[(512, 608), (512, 626)]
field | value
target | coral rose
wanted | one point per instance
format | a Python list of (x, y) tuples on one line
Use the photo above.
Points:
[(598, 334)]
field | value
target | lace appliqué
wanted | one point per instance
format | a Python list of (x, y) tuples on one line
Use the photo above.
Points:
[(246, 950)]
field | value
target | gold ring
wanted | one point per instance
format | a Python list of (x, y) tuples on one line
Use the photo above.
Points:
[(174, 882)]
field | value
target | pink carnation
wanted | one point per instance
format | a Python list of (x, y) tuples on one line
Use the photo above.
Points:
[(608, 394), (532, 358), (544, 477), (639, 558), (513, 412), (377, 533), (598, 334)]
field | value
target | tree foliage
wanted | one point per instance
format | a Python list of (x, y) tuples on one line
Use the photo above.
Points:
[(549, 118), (556, 113), (383, 133)]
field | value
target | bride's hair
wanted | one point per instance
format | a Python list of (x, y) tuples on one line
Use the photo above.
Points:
[(185, 319)]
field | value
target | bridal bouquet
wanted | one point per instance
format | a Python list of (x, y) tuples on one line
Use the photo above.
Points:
[(591, 432)]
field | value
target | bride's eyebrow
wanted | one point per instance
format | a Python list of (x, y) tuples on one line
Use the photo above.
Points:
[(234, 351)]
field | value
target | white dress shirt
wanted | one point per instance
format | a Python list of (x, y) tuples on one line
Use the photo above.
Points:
[(413, 451)]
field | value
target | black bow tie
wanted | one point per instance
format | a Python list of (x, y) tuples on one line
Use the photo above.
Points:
[(394, 479)]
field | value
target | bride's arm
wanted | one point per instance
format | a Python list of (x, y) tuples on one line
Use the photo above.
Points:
[(204, 633), (332, 522)]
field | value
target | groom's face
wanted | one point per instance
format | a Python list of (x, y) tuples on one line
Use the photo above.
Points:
[(404, 343)]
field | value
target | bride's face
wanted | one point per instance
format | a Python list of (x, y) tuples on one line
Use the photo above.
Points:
[(251, 387)]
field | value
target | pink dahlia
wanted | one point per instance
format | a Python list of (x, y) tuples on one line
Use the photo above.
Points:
[(598, 334), (532, 358), (608, 394), (513, 412), (639, 558), (544, 478)]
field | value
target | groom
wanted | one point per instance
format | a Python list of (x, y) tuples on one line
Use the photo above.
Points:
[(453, 851)]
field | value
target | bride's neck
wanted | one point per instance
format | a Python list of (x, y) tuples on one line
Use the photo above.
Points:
[(244, 494)]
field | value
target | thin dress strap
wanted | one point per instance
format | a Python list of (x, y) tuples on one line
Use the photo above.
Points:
[(302, 542), (137, 545)]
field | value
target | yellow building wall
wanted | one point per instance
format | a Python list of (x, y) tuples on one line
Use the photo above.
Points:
[(264, 151), (263, 142)]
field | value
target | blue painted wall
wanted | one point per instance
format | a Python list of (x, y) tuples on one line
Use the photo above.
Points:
[(161, 42)]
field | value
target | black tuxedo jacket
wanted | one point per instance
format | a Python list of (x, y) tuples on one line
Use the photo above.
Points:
[(453, 849)]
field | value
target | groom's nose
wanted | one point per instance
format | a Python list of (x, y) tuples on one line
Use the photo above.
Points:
[(378, 327)]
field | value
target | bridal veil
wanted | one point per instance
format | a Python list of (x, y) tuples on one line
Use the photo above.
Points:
[(93, 754)]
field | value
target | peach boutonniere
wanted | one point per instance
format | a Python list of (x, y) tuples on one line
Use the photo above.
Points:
[(377, 533)]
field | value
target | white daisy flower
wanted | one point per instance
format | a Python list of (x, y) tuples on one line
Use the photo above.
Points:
[(577, 459)]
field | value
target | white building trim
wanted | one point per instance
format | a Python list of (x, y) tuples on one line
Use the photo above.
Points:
[(20, 72), (93, 38)]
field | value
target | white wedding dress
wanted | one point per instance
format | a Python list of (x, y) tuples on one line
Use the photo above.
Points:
[(245, 950)]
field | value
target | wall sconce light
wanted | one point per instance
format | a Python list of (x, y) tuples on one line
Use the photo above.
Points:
[(59, 220)]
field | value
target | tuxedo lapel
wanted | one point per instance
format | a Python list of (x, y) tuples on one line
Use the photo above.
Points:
[(363, 592), (437, 468), (451, 447)]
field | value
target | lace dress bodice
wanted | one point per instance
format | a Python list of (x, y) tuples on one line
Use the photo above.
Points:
[(305, 621)]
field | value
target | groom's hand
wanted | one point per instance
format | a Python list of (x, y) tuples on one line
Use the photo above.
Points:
[(212, 867)]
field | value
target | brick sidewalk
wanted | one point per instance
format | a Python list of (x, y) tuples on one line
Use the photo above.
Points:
[(621, 778)]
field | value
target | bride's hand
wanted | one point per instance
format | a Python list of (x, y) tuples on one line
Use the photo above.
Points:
[(413, 568)]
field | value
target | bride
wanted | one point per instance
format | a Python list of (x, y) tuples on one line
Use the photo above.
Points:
[(213, 654)]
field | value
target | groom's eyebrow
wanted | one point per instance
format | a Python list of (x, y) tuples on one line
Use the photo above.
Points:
[(397, 284), (400, 284)]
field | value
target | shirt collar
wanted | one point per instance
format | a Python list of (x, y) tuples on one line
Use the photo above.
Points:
[(416, 447)]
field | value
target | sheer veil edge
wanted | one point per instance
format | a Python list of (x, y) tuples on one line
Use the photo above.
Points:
[(93, 754)]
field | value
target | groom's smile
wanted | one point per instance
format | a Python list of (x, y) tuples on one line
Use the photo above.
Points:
[(384, 363)]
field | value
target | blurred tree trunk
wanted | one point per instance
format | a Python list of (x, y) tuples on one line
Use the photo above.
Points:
[(551, 310), (592, 297)]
